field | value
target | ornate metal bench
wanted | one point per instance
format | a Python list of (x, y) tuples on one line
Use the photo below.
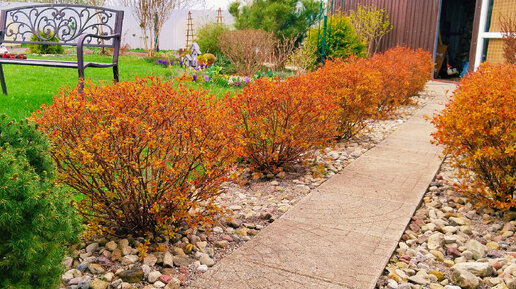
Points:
[(73, 25)]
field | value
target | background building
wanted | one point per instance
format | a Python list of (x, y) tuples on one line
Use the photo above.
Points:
[(454, 31)]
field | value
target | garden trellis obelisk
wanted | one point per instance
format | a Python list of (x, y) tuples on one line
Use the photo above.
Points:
[(219, 16), (189, 30)]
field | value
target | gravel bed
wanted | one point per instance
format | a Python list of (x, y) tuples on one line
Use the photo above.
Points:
[(450, 244), (248, 207)]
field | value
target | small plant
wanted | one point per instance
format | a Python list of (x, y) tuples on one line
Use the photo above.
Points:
[(371, 24), (281, 52), (147, 156), (478, 131), (45, 48), (163, 62), (208, 37), (340, 41), (508, 27), (207, 59), (247, 49), (283, 121), (36, 219), (304, 57)]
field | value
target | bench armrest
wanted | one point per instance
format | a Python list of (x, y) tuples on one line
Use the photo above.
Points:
[(80, 44)]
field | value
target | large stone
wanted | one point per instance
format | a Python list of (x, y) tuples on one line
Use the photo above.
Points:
[(146, 270), (419, 279), (116, 255), (493, 245), (221, 244), (457, 221), (438, 274), (206, 260), (91, 248), (476, 248), (150, 260), (176, 251), (391, 284), (479, 269), (130, 259), (165, 278), (173, 284), (168, 260), (96, 268), (511, 283), (153, 276), (435, 241), (98, 284), (109, 276), (464, 279), (85, 283), (127, 250), (70, 274), (133, 275), (182, 261), (111, 246)]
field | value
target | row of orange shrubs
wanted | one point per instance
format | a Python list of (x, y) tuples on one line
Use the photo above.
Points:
[(147, 155)]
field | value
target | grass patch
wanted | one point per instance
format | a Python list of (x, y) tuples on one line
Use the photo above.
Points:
[(31, 86)]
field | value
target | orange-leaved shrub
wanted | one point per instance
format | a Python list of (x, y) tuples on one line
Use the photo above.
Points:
[(145, 155), (282, 121), (478, 131), (404, 73), (355, 87)]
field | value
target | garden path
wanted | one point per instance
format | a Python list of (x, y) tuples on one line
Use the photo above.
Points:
[(343, 233)]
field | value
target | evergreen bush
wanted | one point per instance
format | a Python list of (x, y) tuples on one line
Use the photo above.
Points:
[(45, 48), (341, 40), (36, 219), (208, 37)]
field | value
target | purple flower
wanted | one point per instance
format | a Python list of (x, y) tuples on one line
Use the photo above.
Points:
[(181, 62), (171, 62), (246, 79), (206, 78), (194, 77)]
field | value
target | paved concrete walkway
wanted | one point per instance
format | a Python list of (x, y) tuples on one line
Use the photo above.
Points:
[(342, 234)]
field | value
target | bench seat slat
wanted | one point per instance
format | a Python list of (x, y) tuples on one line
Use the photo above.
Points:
[(52, 63)]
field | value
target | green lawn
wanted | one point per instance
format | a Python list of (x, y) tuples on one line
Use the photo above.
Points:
[(29, 87)]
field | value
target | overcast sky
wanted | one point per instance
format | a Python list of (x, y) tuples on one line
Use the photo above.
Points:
[(215, 4)]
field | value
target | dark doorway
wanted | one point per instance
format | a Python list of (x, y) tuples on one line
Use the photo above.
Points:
[(454, 38)]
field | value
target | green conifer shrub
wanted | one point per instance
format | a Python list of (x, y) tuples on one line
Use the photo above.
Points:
[(36, 219)]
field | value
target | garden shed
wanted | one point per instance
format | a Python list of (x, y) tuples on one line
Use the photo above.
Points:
[(461, 33)]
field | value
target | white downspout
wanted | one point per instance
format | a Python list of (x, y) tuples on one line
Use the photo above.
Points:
[(481, 31)]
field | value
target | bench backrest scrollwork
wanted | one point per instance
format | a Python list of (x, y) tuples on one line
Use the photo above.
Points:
[(65, 22)]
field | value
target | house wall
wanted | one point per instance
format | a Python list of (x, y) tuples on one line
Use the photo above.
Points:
[(414, 21), (500, 9)]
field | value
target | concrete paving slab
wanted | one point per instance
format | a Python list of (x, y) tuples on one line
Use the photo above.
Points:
[(390, 152), (343, 233), (370, 216), (242, 274), (344, 258), (395, 187)]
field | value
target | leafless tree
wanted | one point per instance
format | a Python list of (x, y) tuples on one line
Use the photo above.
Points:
[(508, 27), (152, 14)]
